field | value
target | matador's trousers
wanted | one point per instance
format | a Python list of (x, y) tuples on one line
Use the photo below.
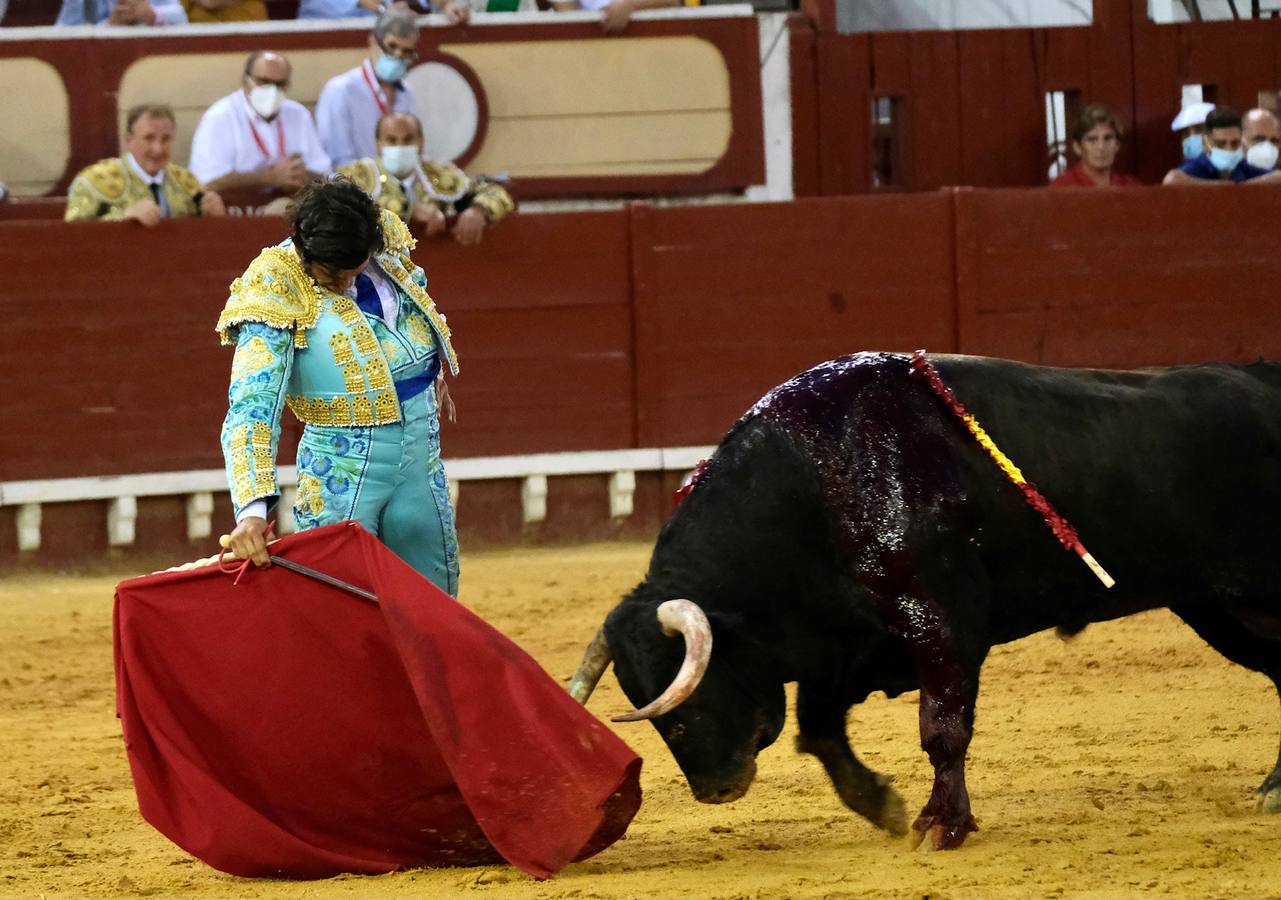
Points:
[(391, 480)]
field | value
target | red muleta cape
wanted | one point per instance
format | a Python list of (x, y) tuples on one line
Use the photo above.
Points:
[(284, 728)]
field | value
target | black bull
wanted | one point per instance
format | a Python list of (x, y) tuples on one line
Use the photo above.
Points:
[(851, 536)]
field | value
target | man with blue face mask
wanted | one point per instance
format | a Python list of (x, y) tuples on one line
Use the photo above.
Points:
[(1188, 126), (1223, 157), (351, 104)]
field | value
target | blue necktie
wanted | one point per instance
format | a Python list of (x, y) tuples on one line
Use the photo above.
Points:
[(367, 296)]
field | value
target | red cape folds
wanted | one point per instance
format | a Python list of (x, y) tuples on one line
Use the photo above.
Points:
[(282, 727)]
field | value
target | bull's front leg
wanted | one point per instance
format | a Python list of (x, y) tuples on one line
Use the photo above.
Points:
[(949, 681), (822, 734)]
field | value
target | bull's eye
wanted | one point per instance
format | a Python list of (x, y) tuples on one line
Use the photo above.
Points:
[(676, 732)]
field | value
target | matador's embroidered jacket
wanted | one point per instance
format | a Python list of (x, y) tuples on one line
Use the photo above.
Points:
[(320, 355), (103, 191), (441, 184)]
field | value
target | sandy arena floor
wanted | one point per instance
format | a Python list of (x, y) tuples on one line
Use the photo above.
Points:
[(1121, 764)]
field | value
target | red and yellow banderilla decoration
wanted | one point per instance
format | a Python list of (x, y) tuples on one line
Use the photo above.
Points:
[(1062, 529)]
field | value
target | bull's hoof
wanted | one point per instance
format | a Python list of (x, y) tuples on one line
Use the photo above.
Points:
[(932, 833), (1270, 802)]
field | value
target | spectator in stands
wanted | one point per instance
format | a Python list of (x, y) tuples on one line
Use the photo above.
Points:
[(1261, 137), (205, 11), (351, 104), (430, 193), (457, 11), (257, 139), (121, 12), (1222, 158), (1189, 125), (143, 184), (616, 13), (1096, 139)]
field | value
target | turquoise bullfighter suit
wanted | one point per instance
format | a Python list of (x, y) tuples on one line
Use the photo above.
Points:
[(362, 386)]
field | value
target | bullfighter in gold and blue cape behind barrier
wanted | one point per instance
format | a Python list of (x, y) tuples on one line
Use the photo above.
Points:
[(337, 324)]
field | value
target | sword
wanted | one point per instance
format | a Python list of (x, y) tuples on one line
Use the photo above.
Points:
[(314, 574)]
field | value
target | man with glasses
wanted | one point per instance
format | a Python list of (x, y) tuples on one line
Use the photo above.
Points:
[(351, 104), (255, 139)]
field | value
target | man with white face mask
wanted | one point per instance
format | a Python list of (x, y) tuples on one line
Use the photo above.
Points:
[(1261, 138), (437, 196), (1223, 158), (255, 139)]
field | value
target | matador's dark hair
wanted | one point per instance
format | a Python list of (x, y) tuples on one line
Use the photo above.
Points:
[(336, 224)]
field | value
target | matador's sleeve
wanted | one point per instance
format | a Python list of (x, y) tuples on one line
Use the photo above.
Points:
[(492, 198), (96, 194), (256, 400)]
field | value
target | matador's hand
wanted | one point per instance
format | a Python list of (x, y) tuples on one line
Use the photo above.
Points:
[(444, 402), (248, 540)]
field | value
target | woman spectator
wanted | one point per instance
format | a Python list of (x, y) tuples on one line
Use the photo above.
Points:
[(1096, 140)]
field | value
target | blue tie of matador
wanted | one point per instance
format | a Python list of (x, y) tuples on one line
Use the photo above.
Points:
[(367, 296)]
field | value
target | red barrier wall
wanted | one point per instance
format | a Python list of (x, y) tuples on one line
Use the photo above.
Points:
[(733, 300), (543, 317), (1119, 278), (113, 366), (640, 327)]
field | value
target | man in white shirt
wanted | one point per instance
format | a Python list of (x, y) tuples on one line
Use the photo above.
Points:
[(257, 139), (352, 103)]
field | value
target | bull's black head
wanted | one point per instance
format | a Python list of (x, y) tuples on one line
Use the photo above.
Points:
[(737, 709)]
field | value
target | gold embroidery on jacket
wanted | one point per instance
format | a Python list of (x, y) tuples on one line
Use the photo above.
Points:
[(344, 410), (242, 483), (341, 347), (275, 290), (354, 375), (251, 358), (264, 465)]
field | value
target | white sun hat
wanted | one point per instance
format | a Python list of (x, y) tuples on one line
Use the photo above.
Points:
[(1192, 114)]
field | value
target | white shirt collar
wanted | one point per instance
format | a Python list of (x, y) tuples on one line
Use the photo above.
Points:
[(149, 179), (415, 183)]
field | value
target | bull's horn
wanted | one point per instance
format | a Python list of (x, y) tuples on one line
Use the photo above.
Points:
[(685, 618), (595, 662)]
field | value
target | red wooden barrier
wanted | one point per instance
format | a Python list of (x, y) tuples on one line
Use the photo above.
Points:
[(640, 327), (733, 300), (542, 312), (112, 364), (1119, 278)]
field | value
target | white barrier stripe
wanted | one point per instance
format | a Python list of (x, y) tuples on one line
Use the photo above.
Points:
[(165, 484)]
